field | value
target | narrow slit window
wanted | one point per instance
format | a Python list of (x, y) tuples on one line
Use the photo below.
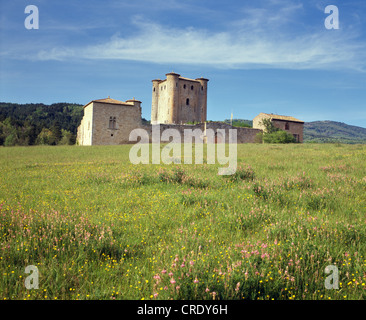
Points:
[(187, 102)]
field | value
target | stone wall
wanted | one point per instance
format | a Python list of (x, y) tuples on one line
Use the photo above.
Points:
[(128, 117), (84, 133), (296, 128), (244, 135)]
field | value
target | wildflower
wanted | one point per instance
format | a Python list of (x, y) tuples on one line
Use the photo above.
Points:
[(172, 281), (237, 287), (163, 271), (195, 280)]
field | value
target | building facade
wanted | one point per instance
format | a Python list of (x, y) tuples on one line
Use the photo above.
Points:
[(179, 100), (108, 121), (286, 123)]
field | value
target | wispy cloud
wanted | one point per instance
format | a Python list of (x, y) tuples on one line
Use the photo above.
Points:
[(263, 38)]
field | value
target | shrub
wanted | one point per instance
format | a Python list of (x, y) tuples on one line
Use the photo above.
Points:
[(278, 137)]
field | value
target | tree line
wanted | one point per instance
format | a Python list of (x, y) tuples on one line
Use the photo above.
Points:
[(39, 124)]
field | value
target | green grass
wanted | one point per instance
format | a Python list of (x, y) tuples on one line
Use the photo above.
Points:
[(98, 227)]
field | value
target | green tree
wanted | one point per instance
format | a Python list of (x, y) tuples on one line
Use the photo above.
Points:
[(67, 138), (11, 140), (56, 130), (46, 137), (268, 126)]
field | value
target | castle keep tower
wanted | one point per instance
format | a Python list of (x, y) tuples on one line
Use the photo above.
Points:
[(177, 100)]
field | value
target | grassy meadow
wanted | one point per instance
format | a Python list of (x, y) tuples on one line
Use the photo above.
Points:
[(99, 227)]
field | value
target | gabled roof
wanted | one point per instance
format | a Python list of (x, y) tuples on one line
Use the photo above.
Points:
[(113, 101), (109, 100), (279, 117)]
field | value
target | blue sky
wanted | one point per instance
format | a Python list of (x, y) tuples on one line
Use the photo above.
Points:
[(273, 56)]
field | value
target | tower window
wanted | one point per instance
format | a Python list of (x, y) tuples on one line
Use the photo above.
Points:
[(202, 88), (184, 86), (187, 102), (191, 87), (154, 89), (287, 126)]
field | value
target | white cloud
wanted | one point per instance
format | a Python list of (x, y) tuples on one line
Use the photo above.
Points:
[(240, 48), (264, 37)]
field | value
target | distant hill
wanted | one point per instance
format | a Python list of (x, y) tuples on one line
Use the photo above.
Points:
[(332, 131)]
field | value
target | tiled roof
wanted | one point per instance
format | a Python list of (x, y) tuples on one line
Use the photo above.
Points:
[(111, 101), (279, 117)]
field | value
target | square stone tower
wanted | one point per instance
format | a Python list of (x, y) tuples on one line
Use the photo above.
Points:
[(178, 100)]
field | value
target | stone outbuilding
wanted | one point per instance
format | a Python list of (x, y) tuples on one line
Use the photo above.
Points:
[(286, 123), (109, 121)]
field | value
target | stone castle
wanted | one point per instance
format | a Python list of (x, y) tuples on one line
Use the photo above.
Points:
[(179, 100), (178, 103)]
